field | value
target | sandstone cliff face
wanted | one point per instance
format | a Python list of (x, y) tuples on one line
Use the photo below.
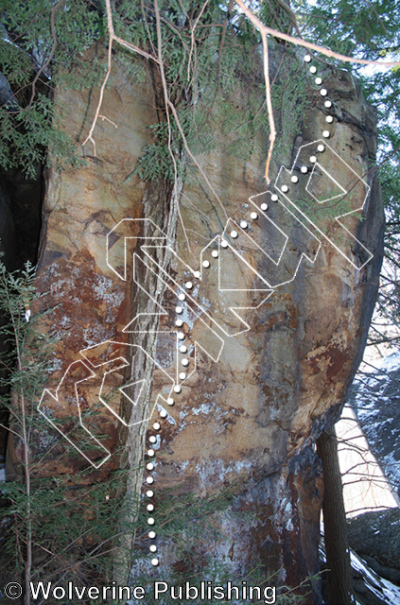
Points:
[(240, 436)]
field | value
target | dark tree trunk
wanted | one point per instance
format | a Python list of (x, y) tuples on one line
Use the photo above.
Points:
[(336, 541)]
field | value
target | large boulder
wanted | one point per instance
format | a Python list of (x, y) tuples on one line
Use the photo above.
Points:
[(235, 456), (374, 398), (375, 536)]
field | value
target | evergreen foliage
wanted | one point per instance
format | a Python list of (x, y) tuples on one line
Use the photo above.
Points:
[(371, 30), (210, 75), (27, 127), (53, 528)]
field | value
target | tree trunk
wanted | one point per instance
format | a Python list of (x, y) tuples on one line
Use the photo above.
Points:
[(336, 541)]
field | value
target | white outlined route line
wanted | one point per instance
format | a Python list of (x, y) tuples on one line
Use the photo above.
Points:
[(357, 187), (264, 293), (118, 236), (308, 250), (342, 193), (282, 266), (137, 402), (48, 399), (133, 327), (196, 307), (207, 339), (162, 312), (214, 339), (45, 403)]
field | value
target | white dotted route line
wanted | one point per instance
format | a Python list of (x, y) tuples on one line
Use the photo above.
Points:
[(244, 224)]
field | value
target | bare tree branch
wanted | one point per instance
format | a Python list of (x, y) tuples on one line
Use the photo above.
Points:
[(53, 12), (272, 130), (300, 42), (265, 31), (111, 38)]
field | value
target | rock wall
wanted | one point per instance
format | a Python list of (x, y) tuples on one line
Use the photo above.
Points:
[(374, 400), (375, 537), (234, 455)]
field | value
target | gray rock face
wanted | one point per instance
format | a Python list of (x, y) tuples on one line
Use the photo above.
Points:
[(375, 399), (375, 536), (369, 587)]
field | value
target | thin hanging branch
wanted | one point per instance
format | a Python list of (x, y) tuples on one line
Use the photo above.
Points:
[(193, 43), (300, 42), (265, 31), (169, 104), (111, 38), (272, 130), (53, 12)]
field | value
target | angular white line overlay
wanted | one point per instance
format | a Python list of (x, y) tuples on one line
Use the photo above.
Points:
[(317, 167)]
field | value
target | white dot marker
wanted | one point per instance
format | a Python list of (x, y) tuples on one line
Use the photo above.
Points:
[(181, 336), (150, 507), (254, 216), (177, 389), (150, 466), (152, 534), (329, 119), (285, 188), (328, 103), (244, 224), (321, 148), (323, 92), (149, 493), (170, 401), (304, 169), (318, 81), (206, 264), (274, 197), (183, 349), (197, 274), (156, 426), (150, 521), (294, 178), (150, 452), (313, 69), (264, 206), (313, 159), (185, 362), (189, 285), (181, 296), (214, 253), (307, 58), (163, 414), (224, 243), (234, 234), (153, 548), (154, 562), (178, 310), (152, 439), (326, 134), (179, 323), (149, 480), (182, 376)]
